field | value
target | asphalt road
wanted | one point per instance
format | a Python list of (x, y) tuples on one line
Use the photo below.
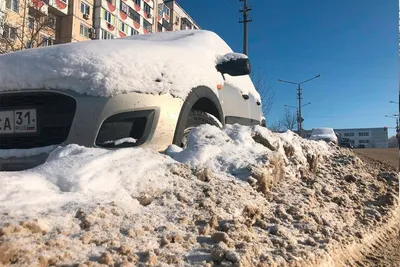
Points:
[(388, 253)]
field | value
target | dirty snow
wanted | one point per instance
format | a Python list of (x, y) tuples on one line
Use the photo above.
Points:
[(157, 63), (241, 196)]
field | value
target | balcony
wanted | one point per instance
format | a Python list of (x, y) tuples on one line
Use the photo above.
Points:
[(39, 8), (60, 5), (186, 24)]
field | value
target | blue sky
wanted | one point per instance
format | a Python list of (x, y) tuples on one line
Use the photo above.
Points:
[(352, 44)]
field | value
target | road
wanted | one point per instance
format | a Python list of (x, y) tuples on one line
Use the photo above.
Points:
[(388, 254)]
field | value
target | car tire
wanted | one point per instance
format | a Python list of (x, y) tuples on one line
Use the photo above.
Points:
[(197, 118)]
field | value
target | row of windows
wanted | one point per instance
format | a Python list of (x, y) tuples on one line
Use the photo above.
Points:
[(359, 134), (14, 4), (110, 18), (85, 31)]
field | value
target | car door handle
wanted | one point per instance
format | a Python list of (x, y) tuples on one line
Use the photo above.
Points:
[(245, 96)]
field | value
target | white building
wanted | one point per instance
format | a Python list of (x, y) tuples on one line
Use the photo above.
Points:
[(369, 137)]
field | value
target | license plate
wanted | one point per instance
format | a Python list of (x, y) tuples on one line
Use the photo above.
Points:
[(18, 121)]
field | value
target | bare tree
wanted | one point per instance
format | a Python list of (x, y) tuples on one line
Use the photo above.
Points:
[(276, 126), (30, 27), (289, 119), (260, 82)]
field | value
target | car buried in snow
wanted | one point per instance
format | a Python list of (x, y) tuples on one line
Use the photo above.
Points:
[(146, 90)]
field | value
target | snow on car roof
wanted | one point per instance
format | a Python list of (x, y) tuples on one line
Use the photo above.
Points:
[(158, 63)]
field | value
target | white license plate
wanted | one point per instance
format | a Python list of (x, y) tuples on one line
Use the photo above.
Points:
[(18, 121)]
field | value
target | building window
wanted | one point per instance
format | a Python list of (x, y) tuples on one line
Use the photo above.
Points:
[(137, 2), (13, 5), (47, 41), (160, 9), (84, 31), (348, 134), (363, 134), (111, 2), (52, 21), (159, 27), (352, 142), (9, 32), (85, 8), (31, 22), (108, 16), (363, 141), (134, 15), (124, 27), (124, 7), (134, 32), (106, 35), (65, 1), (147, 8), (147, 25), (166, 10)]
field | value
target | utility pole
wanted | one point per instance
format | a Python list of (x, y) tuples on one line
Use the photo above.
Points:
[(245, 20), (299, 118)]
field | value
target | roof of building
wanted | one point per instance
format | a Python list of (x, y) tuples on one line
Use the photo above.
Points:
[(158, 63)]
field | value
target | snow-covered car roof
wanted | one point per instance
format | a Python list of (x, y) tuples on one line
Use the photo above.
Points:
[(158, 63)]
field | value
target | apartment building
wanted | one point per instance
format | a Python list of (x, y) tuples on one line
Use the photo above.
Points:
[(35, 23), (120, 18), (369, 137), (178, 18), (77, 24), (30, 23)]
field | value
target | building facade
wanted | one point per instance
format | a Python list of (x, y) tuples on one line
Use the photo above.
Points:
[(82, 20), (178, 18), (30, 23), (120, 18), (77, 24), (369, 137)]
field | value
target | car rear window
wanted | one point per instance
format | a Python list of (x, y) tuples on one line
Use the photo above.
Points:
[(322, 131)]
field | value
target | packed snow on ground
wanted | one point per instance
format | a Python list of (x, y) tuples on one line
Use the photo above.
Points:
[(239, 196), (157, 63)]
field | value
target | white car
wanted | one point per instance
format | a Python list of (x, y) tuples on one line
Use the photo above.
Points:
[(326, 134), (145, 90)]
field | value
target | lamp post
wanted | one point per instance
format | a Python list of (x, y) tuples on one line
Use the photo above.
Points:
[(299, 118), (297, 112), (397, 128)]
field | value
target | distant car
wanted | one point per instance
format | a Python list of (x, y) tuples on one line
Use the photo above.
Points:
[(325, 134), (361, 146), (345, 142)]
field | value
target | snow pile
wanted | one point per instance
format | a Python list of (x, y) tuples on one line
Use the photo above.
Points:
[(158, 63), (239, 196)]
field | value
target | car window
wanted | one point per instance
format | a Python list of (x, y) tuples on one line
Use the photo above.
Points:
[(321, 131)]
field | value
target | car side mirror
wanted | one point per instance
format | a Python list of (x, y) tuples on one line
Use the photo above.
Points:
[(234, 64)]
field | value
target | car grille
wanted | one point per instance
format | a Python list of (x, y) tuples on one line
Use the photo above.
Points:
[(55, 113)]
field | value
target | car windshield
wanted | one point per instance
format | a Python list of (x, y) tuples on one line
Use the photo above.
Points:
[(322, 131)]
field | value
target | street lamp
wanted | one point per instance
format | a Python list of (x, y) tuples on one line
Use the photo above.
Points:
[(299, 118)]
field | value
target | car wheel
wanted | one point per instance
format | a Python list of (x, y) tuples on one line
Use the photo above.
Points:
[(197, 118)]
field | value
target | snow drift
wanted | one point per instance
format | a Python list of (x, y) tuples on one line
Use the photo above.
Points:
[(239, 196)]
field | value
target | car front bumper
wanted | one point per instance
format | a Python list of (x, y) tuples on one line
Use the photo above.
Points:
[(90, 114)]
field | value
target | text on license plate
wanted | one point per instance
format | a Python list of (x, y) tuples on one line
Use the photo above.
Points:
[(18, 121)]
